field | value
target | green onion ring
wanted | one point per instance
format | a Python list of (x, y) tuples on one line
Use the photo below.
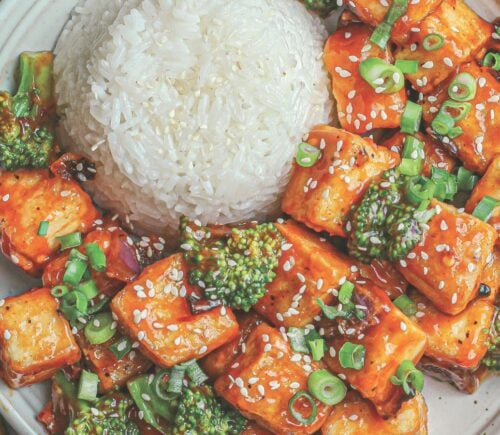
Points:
[(456, 110), (466, 180), (352, 356), (326, 387), (381, 76), (492, 60), (485, 207), (307, 155), (432, 42), (100, 328), (297, 415), (442, 124), (412, 116), (463, 87), (59, 291), (407, 66), (406, 305)]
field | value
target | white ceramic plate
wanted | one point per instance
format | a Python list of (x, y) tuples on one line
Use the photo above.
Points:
[(35, 25)]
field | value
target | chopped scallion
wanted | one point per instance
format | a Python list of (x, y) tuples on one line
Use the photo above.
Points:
[(70, 241), (492, 60), (59, 291), (121, 347), (74, 304), (432, 42), (174, 384), (195, 373), (412, 116), (74, 272), (442, 124), (457, 110), (307, 155), (410, 167), (485, 207), (410, 379), (381, 76), (87, 386), (297, 340), (345, 292), (407, 66), (406, 305), (100, 328), (325, 387), (97, 258), (311, 406), (382, 32), (43, 228), (466, 180), (352, 356), (463, 87), (88, 288)]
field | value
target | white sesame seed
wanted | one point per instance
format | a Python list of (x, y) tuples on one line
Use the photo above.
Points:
[(7, 334), (203, 349), (403, 326), (454, 298), (294, 385)]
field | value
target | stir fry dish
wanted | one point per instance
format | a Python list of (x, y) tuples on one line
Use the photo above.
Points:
[(383, 266)]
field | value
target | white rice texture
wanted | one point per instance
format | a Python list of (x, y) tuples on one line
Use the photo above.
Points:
[(190, 107)]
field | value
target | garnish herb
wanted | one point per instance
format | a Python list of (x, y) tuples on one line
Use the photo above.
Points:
[(406, 305), (352, 356), (410, 378), (303, 395), (326, 387)]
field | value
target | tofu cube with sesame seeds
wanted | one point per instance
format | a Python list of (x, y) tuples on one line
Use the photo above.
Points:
[(322, 196), (463, 35), (460, 340), (112, 371), (265, 377), (434, 152), (309, 269), (35, 339), (355, 415), (360, 107), (478, 143), (154, 310), (488, 185), (448, 262), (28, 197), (389, 339), (373, 13)]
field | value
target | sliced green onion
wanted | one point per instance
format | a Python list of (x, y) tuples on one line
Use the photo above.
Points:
[(317, 347), (195, 373), (59, 291), (159, 385), (325, 387), (330, 312), (432, 42), (406, 305), (100, 329), (70, 241), (419, 189), (407, 66), (413, 148), (410, 167), (101, 303), (381, 76), (457, 110), (442, 124), (74, 272), (88, 288), (352, 356), (121, 347), (492, 60), (466, 180), (345, 292), (75, 254), (75, 301), (463, 87), (176, 379), (307, 155), (485, 207), (411, 379), (87, 386), (382, 32), (297, 340), (137, 388), (296, 414), (412, 116), (446, 184), (455, 132), (43, 228), (97, 257)]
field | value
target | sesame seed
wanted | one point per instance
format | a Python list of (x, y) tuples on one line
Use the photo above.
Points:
[(454, 298), (7, 334), (267, 347), (141, 335), (203, 349), (294, 385), (441, 285), (353, 417), (6, 197), (403, 326), (261, 390)]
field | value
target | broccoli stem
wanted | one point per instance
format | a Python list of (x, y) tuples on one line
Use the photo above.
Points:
[(35, 91)]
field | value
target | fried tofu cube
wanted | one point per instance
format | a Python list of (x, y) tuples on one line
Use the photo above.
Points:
[(488, 185), (35, 339), (478, 144), (322, 196), (460, 340), (356, 416), (373, 13), (309, 269), (218, 361), (268, 359), (390, 340), (112, 371), (464, 33), (30, 197), (360, 108), (434, 153), (154, 311), (447, 263), (385, 276)]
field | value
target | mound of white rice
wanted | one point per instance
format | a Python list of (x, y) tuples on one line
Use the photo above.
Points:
[(189, 106)]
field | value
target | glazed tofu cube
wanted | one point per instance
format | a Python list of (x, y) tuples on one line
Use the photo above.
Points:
[(35, 339), (322, 196), (309, 269), (360, 108), (464, 34), (478, 144), (154, 311), (373, 13), (460, 340), (30, 197), (385, 276), (121, 261), (112, 372), (269, 360), (219, 361), (434, 153), (391, 339), (447, 263), (356, 416), (491, 274), (488, 185)]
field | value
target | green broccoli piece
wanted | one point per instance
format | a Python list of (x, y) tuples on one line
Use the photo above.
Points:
[(323, 7), (108, 415), (385, 225), (26, 119), (236, 269)]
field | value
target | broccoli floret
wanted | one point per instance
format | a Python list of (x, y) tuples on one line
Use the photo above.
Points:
[(236, 269), (26, 119), (385, 225), (107, 416), (201, 412), (323, 7)]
